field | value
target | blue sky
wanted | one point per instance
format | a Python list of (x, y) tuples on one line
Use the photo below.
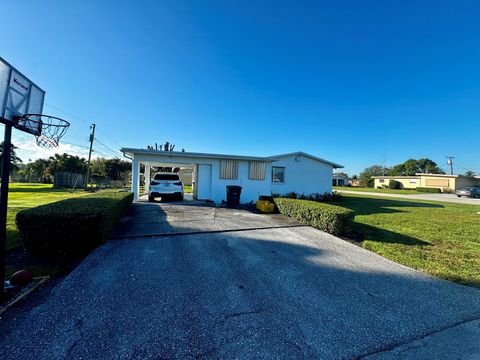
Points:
[(355, 82)]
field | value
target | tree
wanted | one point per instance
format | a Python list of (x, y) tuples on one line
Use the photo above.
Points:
[(375, 170), (36, 171), (411, 167), (66, 162), (109, 169), (166, 147), (14, 159), (469, 173)]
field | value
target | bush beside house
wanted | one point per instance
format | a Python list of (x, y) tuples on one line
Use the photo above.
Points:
[(333, 219), (429, 190), (394, 184), (71, 228)]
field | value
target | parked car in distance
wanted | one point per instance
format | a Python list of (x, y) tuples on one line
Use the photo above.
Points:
[(165, 185), (473, 192)]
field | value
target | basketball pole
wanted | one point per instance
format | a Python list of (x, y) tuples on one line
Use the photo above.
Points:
[(7, 141)]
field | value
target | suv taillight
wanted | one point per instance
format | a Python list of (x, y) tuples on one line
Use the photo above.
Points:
[(154, 183), (179, 183)]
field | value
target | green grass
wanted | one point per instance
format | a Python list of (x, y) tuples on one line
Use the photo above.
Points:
[(187, 188), (22, 196), (441, 239), (389, 191)]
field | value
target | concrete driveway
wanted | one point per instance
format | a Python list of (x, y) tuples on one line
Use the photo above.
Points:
[(451, 198), (276, 292)]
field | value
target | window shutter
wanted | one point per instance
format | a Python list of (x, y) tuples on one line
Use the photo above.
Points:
[(228, 169), (256, 170)]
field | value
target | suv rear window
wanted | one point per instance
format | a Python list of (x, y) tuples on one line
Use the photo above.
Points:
[(166, 177)]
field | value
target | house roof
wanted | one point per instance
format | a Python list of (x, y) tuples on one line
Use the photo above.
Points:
[(179, 154), (396, 177), (419, 175), (336, 166)]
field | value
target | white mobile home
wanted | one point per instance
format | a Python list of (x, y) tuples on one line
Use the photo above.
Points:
[(299, 172)]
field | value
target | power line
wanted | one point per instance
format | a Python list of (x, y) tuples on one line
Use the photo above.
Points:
[(113, 151), (84, 120), (109, 138), (81, 146), (67, 113)]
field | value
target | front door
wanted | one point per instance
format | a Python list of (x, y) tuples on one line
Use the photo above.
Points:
[(204, 182)]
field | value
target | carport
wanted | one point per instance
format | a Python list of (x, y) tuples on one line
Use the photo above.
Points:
[(201, 172), (208, 180)]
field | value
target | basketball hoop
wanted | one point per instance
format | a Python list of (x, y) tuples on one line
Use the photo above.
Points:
[(47, 129)]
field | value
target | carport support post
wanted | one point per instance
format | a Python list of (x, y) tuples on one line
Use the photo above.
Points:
[(146, 176), (135, 178)]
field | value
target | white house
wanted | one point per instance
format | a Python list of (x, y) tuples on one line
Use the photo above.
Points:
[(339, 179), (299, 172)]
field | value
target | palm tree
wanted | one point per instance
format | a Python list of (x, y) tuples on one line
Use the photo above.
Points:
[(66, 162), (14, 159)]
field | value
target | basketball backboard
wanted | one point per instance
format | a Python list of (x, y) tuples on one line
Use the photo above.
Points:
[(18, 95)]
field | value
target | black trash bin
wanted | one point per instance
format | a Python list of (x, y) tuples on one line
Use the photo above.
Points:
[(233, 195)]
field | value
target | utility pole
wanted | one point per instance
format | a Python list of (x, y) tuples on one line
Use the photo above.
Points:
[(450, 162), (92, 137)]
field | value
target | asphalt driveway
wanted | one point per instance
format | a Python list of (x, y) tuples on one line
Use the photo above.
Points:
[(277, 292)]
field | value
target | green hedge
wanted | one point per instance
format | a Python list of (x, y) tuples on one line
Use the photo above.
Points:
[(71, 228), (428, 190), (394, 184), (333, 219)]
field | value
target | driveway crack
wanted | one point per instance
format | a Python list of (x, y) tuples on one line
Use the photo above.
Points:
[(390, 347), (78, 326)]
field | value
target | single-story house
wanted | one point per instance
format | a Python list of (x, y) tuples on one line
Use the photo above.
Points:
[(440, 181), (339, 179), (298, 171)]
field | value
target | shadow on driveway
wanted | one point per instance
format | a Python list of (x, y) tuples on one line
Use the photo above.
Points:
[(290, 293)]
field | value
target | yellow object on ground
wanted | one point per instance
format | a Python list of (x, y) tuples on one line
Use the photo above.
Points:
[(265, 206)]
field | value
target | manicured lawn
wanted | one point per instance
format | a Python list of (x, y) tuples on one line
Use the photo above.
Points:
[(441, 239), (390, 191), (22, 196)]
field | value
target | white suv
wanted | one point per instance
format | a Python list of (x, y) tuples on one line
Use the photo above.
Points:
[(165, 184)]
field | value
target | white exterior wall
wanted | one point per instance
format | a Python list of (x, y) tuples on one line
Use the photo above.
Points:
[(251, 189), (303, 175)]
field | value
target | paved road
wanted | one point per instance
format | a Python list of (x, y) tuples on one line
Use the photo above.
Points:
[(432, 197), (291, 292)]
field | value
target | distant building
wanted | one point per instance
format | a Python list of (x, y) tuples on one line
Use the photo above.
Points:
[(439, 181), (339, 179), (354, 182)]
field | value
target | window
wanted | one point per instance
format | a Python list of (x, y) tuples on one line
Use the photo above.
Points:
[(412, 181), (381, 180), (228, 169), (278, 174), (166, 177), (256, 170)]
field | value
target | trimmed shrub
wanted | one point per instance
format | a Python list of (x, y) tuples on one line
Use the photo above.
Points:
[(428, 190), (332, 219), (394, 184), (71, 228)]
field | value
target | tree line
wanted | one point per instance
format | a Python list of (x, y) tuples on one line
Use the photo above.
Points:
[(43, 170)]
